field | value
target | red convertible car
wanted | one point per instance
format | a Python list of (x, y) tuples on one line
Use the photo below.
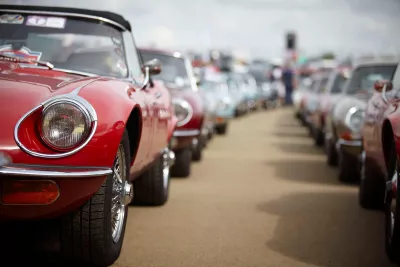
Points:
[(191, 134), (82, 122), (380, 159)]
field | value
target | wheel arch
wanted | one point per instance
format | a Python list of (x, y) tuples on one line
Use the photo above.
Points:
[(134, 127), (387, 139)]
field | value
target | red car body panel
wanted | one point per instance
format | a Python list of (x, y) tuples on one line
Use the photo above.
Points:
[(22, 89)]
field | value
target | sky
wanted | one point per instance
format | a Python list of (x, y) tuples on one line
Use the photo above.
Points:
[(256, 28)]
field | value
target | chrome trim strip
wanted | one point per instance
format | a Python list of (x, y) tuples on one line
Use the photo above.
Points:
[(354, 143), (186, 105), (66, 14), (188, 133), (34, 171), (71, 97)]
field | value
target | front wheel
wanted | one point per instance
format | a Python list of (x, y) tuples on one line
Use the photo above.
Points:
[(197, 153), (372, 187), (152, 188), (319, 138), (222, 129), (331, 153), (392, 212), (93, 235), (348, 167), (183, 162)]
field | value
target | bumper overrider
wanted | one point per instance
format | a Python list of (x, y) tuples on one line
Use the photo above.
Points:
[(51, 190)]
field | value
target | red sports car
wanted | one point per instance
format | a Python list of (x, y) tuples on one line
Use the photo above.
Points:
[(380, 158), (191, 133), (82, 121)]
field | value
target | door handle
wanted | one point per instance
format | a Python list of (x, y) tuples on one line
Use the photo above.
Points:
[(157, 94)]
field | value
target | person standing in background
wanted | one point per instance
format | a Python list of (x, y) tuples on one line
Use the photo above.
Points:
[(288, 79)]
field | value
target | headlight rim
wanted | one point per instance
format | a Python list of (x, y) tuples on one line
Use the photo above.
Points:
[(186, 105), (58, 155), (88, 121), (352, 111)]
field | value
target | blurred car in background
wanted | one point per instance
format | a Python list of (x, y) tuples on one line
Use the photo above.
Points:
[(343, 142), (300, 96), (248, 87), (329, 95), (380, 159), (267, 94), (235, 87), (216, 87), (319, 83), (210, 105), (191, 132)]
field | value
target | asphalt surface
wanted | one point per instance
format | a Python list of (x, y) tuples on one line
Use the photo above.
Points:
[(262, 196)]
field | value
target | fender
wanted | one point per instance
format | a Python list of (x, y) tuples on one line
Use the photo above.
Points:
[(114, 107)]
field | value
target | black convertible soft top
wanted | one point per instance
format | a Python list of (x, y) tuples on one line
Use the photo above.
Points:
[(104, 14)]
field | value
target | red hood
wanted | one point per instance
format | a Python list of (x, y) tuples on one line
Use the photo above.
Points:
[(21, 89)]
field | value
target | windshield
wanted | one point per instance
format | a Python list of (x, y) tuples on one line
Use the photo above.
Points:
[(67, 43), (322, 85), (363, 78), (338, 84), (173, 68)]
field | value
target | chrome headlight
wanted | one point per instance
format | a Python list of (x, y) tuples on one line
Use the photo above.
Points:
[(183, 111), (355, 119), (65, 124)]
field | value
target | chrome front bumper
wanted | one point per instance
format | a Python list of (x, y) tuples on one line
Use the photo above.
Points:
[(352, 143), (52, 171), (186, 133)]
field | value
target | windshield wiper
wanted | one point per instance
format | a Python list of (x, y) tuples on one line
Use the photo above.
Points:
[(28, 61)]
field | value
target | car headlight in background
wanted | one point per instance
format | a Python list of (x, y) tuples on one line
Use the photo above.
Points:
[(355, 119), (223, 104), (183, 111), (65, 125), (312, 105)]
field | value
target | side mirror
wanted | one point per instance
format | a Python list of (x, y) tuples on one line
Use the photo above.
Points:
[(153, 66), (379, 85)]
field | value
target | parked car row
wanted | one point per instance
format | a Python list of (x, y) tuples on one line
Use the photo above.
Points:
[(353, 113), (93, 124)]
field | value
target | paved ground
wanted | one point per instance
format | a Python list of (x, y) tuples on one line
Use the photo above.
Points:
[(263, 196)]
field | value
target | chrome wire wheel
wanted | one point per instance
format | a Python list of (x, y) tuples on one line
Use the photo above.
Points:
[(393, 203), (119, 191), (165, 169)]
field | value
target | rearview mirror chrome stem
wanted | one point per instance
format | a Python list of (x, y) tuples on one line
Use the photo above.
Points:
[(383, 94), (146, 78)]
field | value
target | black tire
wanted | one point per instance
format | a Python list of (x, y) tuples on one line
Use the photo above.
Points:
[(392, 238), (331, 153), (197, 151), (210, 135), (183, 162), (222, 129), (86, 234), (150, 188), (349, 170), (319, 138), (371, 191)]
